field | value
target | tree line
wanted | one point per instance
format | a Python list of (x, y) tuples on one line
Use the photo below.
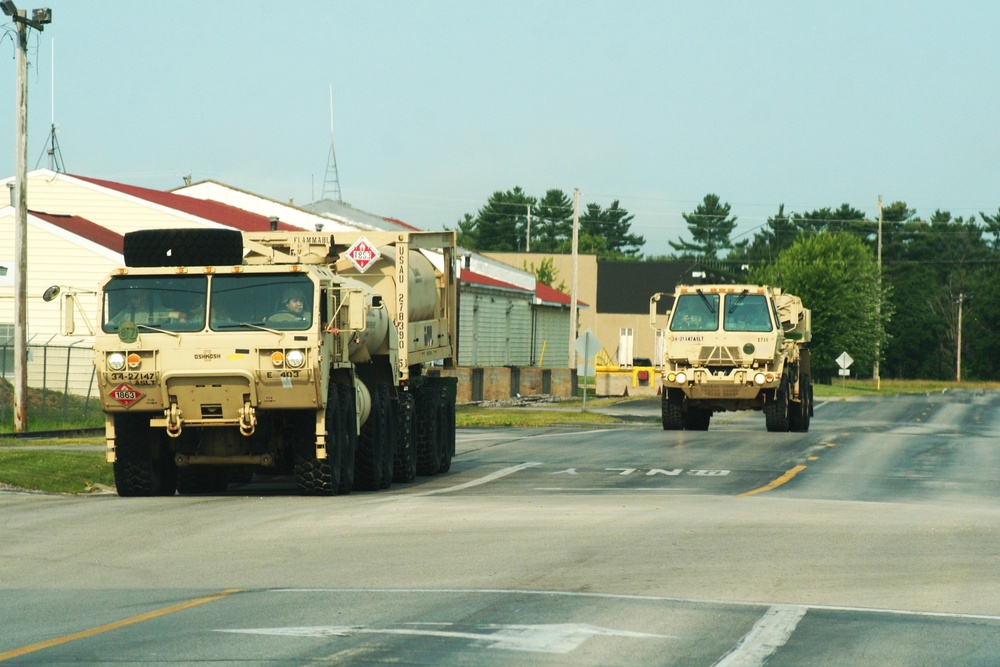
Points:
[(905, 317)]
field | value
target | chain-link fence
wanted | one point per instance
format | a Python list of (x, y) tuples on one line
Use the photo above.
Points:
[(62, 386)]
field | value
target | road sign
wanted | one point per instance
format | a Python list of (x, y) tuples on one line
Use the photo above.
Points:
[(362, 254), (844, 360), (587, 345)]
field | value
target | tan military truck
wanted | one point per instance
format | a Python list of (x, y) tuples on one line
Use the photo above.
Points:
[(734, 347), (224, 354)]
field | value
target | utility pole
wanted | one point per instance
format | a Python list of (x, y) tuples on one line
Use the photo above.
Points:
[(573, 290), (528, 241), (878, 302), (39, 18), (958, 336)]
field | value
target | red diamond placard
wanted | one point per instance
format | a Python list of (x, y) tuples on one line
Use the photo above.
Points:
[(362, 254), (125, 394)]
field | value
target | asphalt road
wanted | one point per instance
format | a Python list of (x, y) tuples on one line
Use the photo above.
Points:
[(871, 540)]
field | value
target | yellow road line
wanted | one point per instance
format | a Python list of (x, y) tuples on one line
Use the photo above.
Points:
[(775, 484), (24, 650)]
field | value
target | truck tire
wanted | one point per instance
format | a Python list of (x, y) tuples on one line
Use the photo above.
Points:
[(697, 419), (799, 412), (349, 427), (776, 412), (404, 464), (183, 247), (370, 461), (426, 425), (446, 429), (388, 440), (672, 411), (143, 464), (313, 476)]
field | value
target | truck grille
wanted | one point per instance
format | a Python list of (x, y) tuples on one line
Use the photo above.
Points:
[(718, 355)]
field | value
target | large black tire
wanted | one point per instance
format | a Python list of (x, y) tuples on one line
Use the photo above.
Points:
[(672, 411), (388, 437), (776, 412), (369, 466), (427, 424), (349, 427), (697, 419), (313, 476), (446, 430), (144, 464), (799, 413), (183, 247), (201, 479), (404, 465)]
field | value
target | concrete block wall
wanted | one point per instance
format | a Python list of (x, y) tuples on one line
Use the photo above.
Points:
[(496, 383)]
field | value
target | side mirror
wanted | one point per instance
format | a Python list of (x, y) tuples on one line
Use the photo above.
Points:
[(653, 300), (355, 310), (67, 308)]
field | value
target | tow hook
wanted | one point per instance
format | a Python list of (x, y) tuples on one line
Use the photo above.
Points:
[(248, 419), (173, 415)]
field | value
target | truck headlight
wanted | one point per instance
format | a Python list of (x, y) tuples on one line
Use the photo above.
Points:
[(679, 378), (295, 358), (116, 361), (759, 378)]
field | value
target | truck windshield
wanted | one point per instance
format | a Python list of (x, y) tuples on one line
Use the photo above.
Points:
[(166, 303), (747, 312), (695, 312), (247, 302)]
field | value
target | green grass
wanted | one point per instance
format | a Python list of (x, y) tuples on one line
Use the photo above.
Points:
[(54, 471), (466, 416), (840, 388)]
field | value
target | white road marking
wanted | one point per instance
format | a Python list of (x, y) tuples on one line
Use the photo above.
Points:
[(541, 638), (476, 482), (644, 598), (619, 492), (474, 437), (768, 634)]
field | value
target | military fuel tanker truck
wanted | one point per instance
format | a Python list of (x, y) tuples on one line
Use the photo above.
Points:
[(224, 354), (735, 347)]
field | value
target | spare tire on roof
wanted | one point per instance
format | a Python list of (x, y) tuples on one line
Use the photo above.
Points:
[(183, 247)]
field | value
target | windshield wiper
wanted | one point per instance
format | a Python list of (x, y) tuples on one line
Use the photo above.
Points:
[(708, 304), (739, 300), (159, 330)]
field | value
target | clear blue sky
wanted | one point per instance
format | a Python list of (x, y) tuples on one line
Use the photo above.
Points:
[(439, 103)]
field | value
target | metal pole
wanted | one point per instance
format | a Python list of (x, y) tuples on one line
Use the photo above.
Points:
[(20, 233), (878, 302), (958, 350), (573, 290), (527, 243)]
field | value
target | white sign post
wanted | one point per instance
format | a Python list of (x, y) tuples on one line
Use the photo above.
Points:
[(583, 346), (844, 361)]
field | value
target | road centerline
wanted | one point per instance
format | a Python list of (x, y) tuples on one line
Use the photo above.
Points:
[(91, 632)]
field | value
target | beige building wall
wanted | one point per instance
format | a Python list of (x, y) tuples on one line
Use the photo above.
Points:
[(606, 326)]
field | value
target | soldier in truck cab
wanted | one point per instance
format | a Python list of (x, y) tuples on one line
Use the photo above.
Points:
[(141, 308), (291, 308)]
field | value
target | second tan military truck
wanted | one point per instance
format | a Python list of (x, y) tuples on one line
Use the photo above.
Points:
[(734, 347)]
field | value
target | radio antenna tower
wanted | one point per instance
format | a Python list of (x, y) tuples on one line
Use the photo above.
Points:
[(331, 184), (52, 143)]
